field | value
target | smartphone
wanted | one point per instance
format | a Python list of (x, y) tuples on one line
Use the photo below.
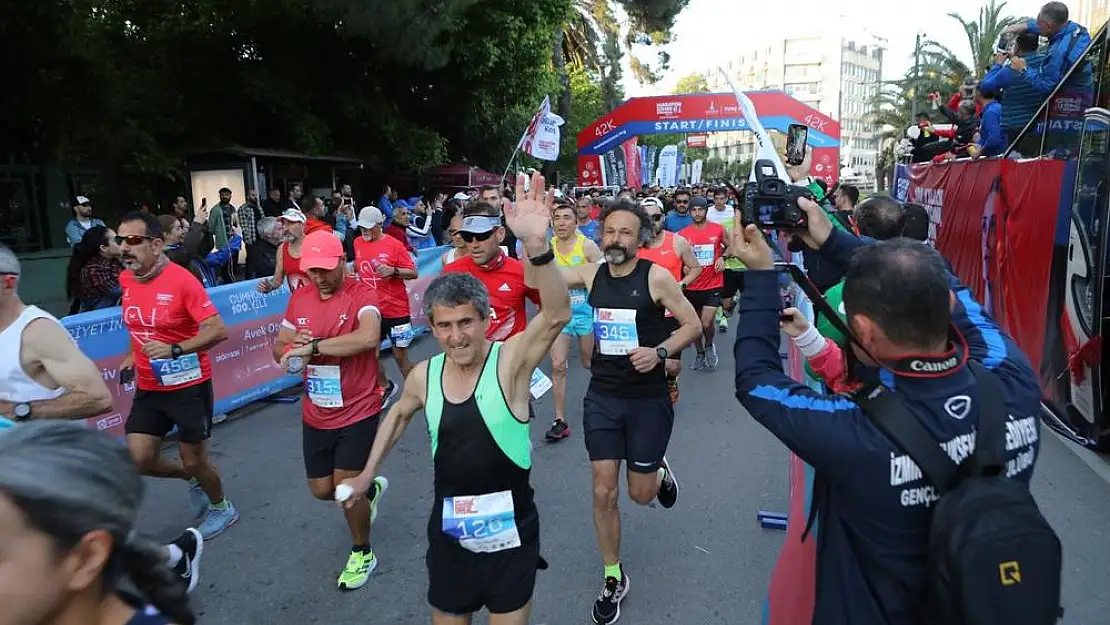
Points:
[(786, 318), (796, 137)]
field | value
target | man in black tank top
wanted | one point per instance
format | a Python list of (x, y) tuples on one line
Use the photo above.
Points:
[(483, 532), (627, 411)]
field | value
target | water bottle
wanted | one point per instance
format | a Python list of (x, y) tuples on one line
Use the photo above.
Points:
[(296, 364)]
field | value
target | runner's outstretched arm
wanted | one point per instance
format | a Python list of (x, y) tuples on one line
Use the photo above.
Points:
[(48, 345), (391, 430)]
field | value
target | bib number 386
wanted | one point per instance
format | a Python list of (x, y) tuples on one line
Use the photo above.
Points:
[(482, 523)]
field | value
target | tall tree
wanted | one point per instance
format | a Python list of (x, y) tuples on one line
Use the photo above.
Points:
[(981, 35)]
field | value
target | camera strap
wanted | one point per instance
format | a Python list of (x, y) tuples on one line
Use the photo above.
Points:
[(801, 278)]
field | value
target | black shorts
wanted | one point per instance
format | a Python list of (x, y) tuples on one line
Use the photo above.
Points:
[(673, 325), (156, 413), (634, 429), (398, 330), (342, 449), (704, 299), (462, 582), (734, 283)]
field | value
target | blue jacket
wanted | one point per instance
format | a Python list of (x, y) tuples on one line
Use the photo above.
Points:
[(873, 522), (675, 222), (991, 138), (1020, 100), (1045, 78)]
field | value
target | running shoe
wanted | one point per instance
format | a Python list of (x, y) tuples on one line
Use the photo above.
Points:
[(198, 502), (191, 544), (668, 488), (672, 388), (722, 327), (357, 572), (381, 484), (711, 358), (217, 521), (699, 363), (607, 608), (389, 393), (559, 430)]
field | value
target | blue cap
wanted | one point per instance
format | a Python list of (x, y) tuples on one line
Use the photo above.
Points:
[(401, 204), (413, 201)]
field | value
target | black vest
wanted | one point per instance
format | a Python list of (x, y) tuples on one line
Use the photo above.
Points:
[(616, 302)]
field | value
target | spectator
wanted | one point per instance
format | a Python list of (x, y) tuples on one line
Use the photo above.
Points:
[(296, 194), (1020, 100), (419, 230), (250, 214), (230, 217), (966, 125), (1067, 41), (180, 208), (916, 224), (845, 197), (437, 217), (396, 228), (82, 220), (273, 207), (94, 270), (262, 258), (880, 217), (385, 202), (992, 142), (926, 142), (188, 247)]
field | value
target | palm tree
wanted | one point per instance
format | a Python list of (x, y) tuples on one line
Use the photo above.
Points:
[(981, 36)]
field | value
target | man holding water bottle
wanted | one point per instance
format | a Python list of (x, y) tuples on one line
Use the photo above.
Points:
[(331, 334)]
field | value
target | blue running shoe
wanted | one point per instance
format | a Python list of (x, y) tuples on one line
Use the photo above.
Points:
[(216, 521)]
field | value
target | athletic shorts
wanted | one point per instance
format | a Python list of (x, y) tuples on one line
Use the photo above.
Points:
[(189, 409), (704, 299), (398, 330), (581, 321), (462, 582), (342, 449), (734, 283), (634, 429), (673, 325)]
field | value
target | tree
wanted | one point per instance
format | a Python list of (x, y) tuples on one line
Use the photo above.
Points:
[(694, 83), (981, 35)]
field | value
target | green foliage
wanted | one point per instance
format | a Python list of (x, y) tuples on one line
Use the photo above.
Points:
[(587, 104), (981, 35), (694, 83), (136, 84)]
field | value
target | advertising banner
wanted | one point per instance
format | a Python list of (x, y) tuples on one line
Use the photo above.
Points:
[(695, 172), (697, 140), (645, 166), (591, 173), (541, 139), (667, 173), (243, 367), (632, 163)]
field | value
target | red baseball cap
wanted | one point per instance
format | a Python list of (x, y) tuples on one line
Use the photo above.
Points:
[(321, 250)]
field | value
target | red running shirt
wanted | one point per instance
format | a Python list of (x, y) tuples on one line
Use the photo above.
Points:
[(292, 268), (339, 391), (507, 294), (708, 245), (168, 309), (393, 297), (665, 256)]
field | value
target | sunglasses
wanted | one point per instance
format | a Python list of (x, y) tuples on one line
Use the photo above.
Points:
[(132, 240), (657, 217), (470, 237), (682, 201)]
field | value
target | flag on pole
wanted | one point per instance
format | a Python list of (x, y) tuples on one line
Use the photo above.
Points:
[(765, 149), (541, 139)]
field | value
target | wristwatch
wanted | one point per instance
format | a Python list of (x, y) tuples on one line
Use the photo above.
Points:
[(176, 351), (21, 411), (662, 352), (315, 347), (543, 259)]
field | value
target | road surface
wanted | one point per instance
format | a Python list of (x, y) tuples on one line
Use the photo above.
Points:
[(705, 562)]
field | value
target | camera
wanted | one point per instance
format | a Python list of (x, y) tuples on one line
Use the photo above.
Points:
[(770, 202)]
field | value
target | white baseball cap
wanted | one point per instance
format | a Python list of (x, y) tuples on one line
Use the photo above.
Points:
[(652, 201), (461, 197), (294, 215), (369, 217), (83, 200)]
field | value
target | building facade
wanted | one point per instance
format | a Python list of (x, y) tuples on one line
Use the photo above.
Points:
[(1091, 13), (837, 75)]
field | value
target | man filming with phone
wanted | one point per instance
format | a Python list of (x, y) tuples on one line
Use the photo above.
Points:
[(933, 356)]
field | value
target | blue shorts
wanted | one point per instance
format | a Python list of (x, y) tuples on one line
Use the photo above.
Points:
[(581, 321)]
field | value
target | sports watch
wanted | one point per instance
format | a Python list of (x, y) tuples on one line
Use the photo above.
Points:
[(176, 351), (662, 352), (21, 411), (542, 259)]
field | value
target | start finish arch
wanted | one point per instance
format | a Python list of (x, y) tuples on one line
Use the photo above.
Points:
[(610, 142)]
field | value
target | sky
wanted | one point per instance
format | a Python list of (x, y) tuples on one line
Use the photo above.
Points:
[(710, 32)]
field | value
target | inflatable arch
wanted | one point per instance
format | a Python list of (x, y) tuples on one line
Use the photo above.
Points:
[(701, 113)]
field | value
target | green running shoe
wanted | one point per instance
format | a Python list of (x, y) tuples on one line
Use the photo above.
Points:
[(357, 573), (381, 485)]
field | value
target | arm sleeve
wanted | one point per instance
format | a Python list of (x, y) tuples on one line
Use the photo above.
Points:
[(948, 113), (822, 430), (73, 233), (830, 364), (998, 77), (1045, 77)]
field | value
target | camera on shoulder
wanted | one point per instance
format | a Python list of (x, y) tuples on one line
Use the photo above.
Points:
[(770, 202)]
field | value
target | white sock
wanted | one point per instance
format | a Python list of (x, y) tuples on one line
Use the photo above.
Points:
[(175, 555)]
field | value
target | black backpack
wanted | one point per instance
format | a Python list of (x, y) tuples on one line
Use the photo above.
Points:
[(993, 558)]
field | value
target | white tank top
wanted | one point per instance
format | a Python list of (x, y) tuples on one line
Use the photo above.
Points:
[(15, 385)]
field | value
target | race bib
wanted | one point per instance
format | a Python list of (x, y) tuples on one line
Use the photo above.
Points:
[(704, 254), (482, 523), (323, 386), (540, 384), (176, 371), (615, 331), (577, 297)]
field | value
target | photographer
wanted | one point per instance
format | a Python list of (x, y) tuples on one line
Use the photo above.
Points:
[(874, 511), (1020, 100)]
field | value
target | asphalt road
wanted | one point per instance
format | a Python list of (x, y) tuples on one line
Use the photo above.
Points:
[(704, 562)]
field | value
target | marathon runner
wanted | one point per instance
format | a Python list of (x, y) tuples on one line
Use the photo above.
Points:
[(172, 324), (383, 263), (483, 534), (571, 248), (627, 414), (460, 249), (583, 206), (289, 255), (54, 379), (671, 252), (708, 241), (332, 333)]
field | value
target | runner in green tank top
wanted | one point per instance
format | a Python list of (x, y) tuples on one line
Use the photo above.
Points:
[(484, 526)]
